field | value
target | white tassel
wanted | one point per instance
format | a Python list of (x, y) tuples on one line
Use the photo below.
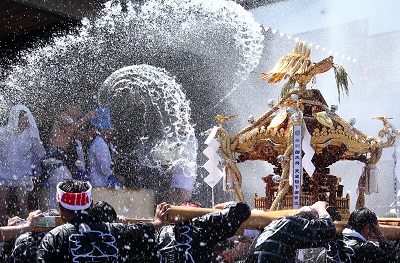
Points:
[(371, 186)]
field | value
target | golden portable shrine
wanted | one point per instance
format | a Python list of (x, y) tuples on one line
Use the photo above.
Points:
[(301, 136)]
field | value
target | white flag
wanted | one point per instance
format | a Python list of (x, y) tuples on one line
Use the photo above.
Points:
[(215, 174), (214, 177), (308, 152)]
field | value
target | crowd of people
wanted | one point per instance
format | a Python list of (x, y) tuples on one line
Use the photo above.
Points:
[(94, 232), (78, 146)]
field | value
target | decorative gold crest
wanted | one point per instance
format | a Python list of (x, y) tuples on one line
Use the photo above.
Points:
[(324, 119), (278, 119)]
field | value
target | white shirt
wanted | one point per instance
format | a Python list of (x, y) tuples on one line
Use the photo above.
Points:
[(353, 233), (184, 166), (18, 155), (99, 162)]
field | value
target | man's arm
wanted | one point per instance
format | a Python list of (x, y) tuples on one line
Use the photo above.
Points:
[(320, 208), (223, 224), (370, 253), (315, 232), (379, 235), (83, 120), (10, 232), (72, 127), (387, 251), (160, 217)]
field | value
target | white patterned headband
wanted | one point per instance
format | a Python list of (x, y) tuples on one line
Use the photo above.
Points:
[(74, 201)]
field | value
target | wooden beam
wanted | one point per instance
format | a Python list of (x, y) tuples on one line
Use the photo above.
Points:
[(257, 220)]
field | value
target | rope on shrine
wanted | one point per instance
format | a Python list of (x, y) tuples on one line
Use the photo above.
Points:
[(361, 191), (284, 183)]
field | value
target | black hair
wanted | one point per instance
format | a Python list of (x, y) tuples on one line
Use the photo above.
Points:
[(309, 215), (361, 217), (103, 211), (74, 186)]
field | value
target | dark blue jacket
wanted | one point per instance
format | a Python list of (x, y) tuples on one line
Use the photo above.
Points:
[(195, 240), (351, 249), (86, 240), (281, 239)]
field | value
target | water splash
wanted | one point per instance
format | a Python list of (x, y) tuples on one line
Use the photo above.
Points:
[(148, 100), (188, 38), (209, 46)]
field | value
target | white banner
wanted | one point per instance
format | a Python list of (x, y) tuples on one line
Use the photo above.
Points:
[(209, 152), (297, 166)]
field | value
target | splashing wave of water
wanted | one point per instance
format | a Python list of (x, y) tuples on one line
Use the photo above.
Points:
[(158, 33), (160, 104)]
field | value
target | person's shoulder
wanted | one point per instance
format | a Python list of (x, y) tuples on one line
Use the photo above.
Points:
[(350, 240), (276, 224), (134, 229), (141, 226), (124, 226), (295, 221), (369, 245), (239, 208), (293, 218), (99, 141), (370, 250), (62, 230)]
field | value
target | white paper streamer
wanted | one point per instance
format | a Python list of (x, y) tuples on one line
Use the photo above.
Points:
[(215, 174), (308, 152)]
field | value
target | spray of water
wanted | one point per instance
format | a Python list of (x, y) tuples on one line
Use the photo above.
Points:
[(185, 37), (160, 112), (210, 46)]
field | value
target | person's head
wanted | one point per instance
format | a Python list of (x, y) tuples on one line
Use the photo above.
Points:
[(362, 220), (23, 121), (181, 128), (103, 211), (72, 108), (73, 197), (307, 212)]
